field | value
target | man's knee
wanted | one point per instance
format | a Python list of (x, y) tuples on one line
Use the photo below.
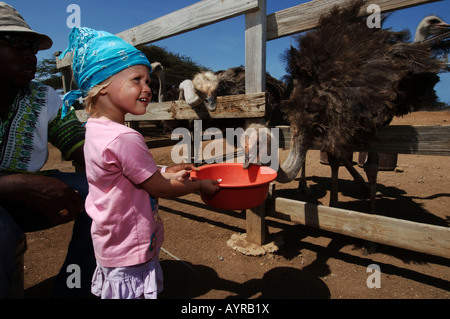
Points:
[(12, 249)]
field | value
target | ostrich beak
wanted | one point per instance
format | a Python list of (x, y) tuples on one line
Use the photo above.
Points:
[(250, 153), (443, 25), (211, 103), (440, 28)]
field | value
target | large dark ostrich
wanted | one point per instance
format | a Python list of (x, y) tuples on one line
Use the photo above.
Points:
[(348, 81)]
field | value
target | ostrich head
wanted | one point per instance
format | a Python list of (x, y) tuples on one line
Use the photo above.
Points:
[(255, 141), (197, 91), (206, 83), (430, 26)]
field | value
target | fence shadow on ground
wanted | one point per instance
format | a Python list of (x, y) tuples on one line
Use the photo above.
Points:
[(393, 202), (293, 244), (278, 283)]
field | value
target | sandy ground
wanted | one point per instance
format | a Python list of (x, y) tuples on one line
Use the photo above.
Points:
[(198, 263)]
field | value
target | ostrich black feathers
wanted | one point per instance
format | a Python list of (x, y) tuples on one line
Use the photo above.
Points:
[(349, 80)]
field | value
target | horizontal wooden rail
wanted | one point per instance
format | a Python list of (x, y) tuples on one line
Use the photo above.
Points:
[(306, 16), (399, 139), (424, 238), (407, 139), (279, 24), (231, 106), (195, 16)]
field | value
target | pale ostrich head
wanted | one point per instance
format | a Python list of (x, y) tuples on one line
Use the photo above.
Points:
[(195, 92), (429, 26), (257, 139), (206, 83)]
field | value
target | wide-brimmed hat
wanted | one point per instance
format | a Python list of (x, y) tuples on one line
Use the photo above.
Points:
[(12, 21)]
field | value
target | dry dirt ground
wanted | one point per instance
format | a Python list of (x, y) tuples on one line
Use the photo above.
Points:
[(198, 263)]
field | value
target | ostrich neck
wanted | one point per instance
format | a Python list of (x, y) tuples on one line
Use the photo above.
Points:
[(419, 36), (291, 166), (162, 86)]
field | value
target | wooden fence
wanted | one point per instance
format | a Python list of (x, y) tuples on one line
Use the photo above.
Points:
[(260, 28), (400, 139)]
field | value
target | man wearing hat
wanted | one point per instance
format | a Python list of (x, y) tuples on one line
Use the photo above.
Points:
[(30, 117)]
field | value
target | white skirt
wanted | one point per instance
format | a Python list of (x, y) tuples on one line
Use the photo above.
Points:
[(143, 281)]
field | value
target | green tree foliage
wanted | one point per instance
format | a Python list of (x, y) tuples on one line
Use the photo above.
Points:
[(180, 65), (47, 73)]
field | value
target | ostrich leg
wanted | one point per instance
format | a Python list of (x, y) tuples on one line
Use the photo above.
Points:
[(302, 187), (371, 169), (334, 164), (356, 176)]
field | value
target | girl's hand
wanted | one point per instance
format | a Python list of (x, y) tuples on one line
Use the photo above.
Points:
[(181, 167), (160, 186), (209, 186), (182, 175)]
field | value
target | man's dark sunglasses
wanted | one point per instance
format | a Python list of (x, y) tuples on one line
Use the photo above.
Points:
[(19, 43)]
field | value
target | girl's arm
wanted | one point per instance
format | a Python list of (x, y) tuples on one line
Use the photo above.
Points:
[(179, 171), (159, 186), (181, 175)]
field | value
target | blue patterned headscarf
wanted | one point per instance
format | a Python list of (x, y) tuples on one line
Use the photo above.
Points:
[(97, 55)]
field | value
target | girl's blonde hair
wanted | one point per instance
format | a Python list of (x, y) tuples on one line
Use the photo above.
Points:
[(91, 98)]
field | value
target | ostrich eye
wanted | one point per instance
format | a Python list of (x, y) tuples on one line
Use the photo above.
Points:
[(434, 21)]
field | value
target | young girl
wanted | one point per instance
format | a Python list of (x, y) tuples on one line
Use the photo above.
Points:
[(124, 181)]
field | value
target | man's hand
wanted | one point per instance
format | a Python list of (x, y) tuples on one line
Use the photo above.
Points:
[(47, 195)]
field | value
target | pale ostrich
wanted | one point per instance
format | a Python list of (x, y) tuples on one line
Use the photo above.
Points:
[(431, 27), (158, 71), (348, 81), (436, 32), (206, 86)]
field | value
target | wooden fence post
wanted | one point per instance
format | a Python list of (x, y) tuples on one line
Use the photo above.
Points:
[(256, 224), (255, 81)]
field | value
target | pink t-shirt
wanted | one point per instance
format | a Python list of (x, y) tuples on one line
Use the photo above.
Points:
[(126, 228)]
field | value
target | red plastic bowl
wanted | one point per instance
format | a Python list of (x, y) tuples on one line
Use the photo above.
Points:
[(240, 188)]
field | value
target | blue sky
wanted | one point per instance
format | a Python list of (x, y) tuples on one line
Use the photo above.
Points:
[(217, 46)]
